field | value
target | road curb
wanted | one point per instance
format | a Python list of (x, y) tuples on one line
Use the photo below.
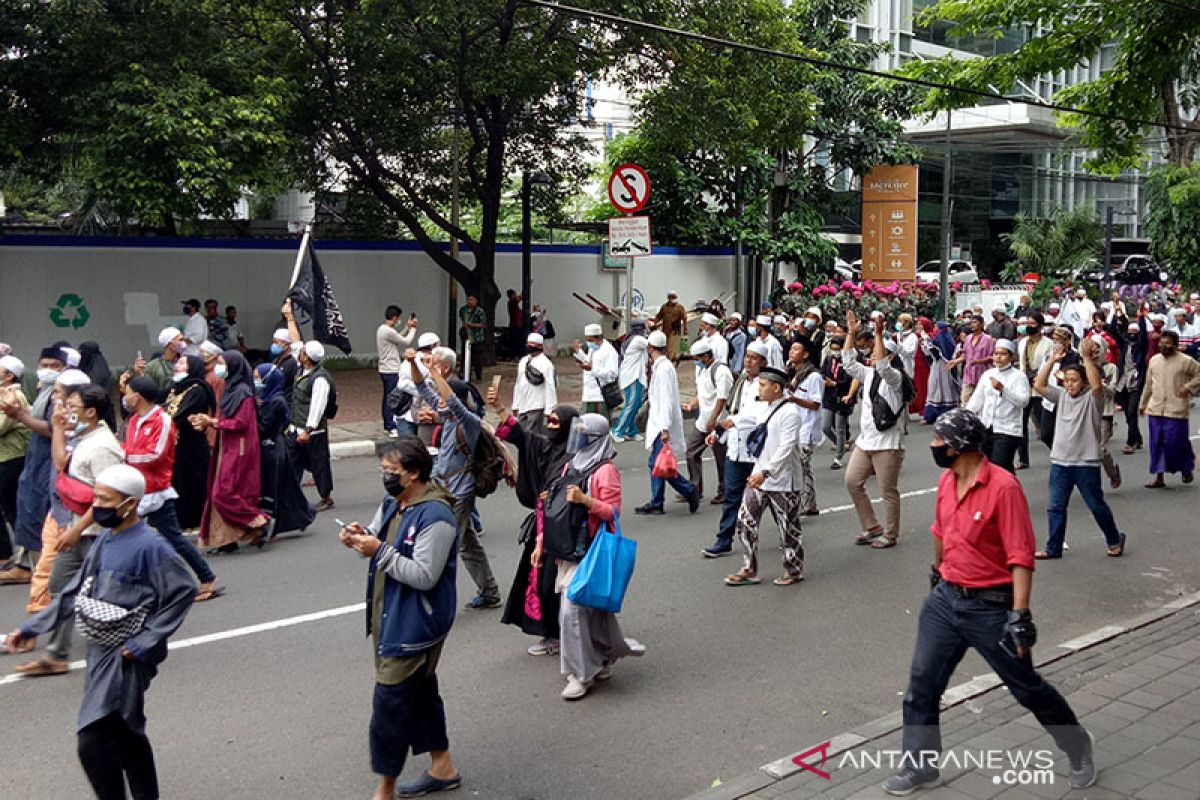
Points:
[(768, 774), (354, 448)]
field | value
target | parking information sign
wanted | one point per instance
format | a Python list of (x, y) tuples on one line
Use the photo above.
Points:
[(629, 237), (629, 188)]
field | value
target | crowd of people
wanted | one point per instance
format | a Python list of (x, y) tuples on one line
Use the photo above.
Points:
[(205, 440)]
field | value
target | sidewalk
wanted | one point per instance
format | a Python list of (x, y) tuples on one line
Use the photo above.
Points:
[(1135, 687)]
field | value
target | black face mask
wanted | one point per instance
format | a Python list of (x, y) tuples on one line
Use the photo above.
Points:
[(942, 457), (392, 485), (108, 516), (533, 351)]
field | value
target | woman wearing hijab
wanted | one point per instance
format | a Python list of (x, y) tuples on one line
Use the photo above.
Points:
[(93, 363), (942, 389), (920, 373), (234, 478), (541, 456), (190, 395), (282, 498), (591, 640)]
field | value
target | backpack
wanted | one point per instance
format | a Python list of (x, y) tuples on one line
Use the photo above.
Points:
[(565, 525), (881, 412), (487, 463), (399, 402)]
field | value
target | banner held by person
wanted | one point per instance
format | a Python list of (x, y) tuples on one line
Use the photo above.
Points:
[(312, 297)]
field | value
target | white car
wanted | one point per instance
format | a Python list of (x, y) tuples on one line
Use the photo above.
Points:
[(959, 272)]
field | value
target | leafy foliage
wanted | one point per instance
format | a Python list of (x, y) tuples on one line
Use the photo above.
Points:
[(1056, 246), (1174, 220)]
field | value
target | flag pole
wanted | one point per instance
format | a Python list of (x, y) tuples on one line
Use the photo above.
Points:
[(300, 254)]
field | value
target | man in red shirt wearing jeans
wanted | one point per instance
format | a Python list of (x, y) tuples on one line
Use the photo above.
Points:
[(981, 579)]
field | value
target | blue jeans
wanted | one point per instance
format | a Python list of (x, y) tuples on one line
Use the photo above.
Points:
[(405, 428), (389, 379), (736, 473), (658, 485), (1087, 479), (167, 524), (627, 425), (947, 626)]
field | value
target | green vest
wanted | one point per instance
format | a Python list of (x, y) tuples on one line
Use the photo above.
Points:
[(161, 372), (302, 397)]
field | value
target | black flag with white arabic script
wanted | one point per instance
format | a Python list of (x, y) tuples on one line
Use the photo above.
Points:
[(313, 297)]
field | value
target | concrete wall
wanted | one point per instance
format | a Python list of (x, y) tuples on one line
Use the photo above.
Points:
[(133, 287)]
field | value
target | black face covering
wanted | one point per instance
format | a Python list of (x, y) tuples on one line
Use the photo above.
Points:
[(108, 516), (391, 484), (942, 457)]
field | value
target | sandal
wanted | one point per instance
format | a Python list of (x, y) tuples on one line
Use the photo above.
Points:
[(1119, 550), (208, 591), (868, 537), (885, 542), (1128, 449), (42, 667), (787, 580), (28, 646), (1043, 555), (742, 578)]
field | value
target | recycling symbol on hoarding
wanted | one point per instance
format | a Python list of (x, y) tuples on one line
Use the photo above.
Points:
[(69, 312)]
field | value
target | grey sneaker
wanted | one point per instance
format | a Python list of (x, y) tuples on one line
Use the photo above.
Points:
[(575, 688), (1083, 768), (908, 780)]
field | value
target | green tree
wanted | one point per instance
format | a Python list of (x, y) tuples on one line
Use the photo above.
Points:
[(1054, 247), (1154, 48), (1173, 224)]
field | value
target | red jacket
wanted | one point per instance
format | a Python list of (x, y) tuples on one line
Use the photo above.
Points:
[(150, 447)]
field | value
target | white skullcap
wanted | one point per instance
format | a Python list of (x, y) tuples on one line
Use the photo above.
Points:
[(672, 293), (535, 338), (1055, 306), (736, 315), (1175, 312), (780, 319), (877, 313), (764, 320), (1005, 344), (1133, 327), (73, 377), (815, 312), (1107, 304), (211, 348), (125, 479), (314, 350), (168, 335), (12, 365), (429, 339), (295, 348), (700, 347), (657, 340), (1081, 290), (758, 348), (710, 319), (593, 330), (1158, 317), (281, 335), (72, 355)]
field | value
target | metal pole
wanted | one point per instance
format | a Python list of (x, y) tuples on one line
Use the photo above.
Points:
[(944, 278), (1108, 231), (526, 252), (452, 329), (304, 240), (628, 294)]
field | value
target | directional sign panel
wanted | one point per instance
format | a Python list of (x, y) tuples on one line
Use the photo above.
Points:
[(629, 188), (889, 224), (629, 237)]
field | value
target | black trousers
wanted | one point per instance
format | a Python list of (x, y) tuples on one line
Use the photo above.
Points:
[(10, 473), (1129, 401), (1031, 416), (1001, 449), (313, 456), (111, 753)]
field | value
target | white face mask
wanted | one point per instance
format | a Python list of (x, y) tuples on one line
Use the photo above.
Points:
[(46, 375)]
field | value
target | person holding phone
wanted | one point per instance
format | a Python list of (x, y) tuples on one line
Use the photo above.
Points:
[(980, 580)]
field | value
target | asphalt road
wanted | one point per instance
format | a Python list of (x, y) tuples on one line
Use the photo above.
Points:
[(733, 678)]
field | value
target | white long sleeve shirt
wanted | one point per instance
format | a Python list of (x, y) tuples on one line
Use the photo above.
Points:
[(780, 457), (605, 366), (633, 365), (774, 351), (750, 412), (720, 347), (196, 332), (712, 384), (811, 388), (665, 413), (1001, 410), (908, 342), (526, 396), (320, 398), (890, 389)]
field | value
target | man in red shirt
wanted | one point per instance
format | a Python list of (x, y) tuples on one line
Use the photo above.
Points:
[(981, 579), (150, 448)]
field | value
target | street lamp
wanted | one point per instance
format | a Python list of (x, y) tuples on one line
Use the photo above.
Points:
[(528, 180)]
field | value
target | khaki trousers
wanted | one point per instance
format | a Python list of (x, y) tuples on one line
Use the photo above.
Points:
[(884, 465)]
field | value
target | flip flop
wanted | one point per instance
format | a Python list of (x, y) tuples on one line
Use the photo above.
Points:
[(42, 667), (1120, 549), (885, 542), (787, 580), (742, 579), (208, 594), (867, 538), (1042, 555)]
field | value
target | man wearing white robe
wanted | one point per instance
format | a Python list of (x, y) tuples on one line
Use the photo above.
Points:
[(664, 427)]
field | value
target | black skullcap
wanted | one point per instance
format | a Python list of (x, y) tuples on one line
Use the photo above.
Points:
[(773, 374), (960, 429), (53, 352), (143, 386)]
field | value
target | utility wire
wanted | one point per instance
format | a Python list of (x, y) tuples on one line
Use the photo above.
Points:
[(730, 44)]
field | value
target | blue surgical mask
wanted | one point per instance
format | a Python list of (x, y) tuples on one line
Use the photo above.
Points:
[(259, 386), (220, 370), (593, 346), (276, 349), (810, 323), (178, 377), (899, 326), (752, 329)]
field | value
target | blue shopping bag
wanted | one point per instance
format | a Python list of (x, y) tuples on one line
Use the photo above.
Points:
[(604, 573)]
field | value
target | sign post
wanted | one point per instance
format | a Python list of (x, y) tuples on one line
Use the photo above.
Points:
[(889, 223), (629, 237)]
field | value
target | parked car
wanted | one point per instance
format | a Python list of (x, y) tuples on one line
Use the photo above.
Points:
[(848, 272), (960, 272), (1134, 270)]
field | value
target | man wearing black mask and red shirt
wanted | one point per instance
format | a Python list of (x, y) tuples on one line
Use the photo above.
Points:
[(981, 580)]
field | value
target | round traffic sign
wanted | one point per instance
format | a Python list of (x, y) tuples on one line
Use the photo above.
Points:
[(629, 188)]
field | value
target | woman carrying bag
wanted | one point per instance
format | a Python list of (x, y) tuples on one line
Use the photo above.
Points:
[(591, 639)]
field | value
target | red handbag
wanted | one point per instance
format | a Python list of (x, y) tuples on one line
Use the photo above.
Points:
[(666, 466), (76, 495)]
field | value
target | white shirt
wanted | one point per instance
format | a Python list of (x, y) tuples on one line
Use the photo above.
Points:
[(891, 384), (196, 332), (1001, 410), (406, 385), (720, 347), (712, 384), (908, 342), (751, 411), (605, 366), (780, 456), (665, 414), (320, 397), (633, 365), (1078, 315), (774, 351), (526, 396), (811, 388)]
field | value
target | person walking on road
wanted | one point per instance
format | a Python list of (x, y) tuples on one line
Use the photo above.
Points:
[(806, 389), (775, 483), (390, 344), (837, 400), (1075, 457), (536, 392), (313, 398), (980, 581), (878, 452), (664, 427), (190, 395), (631, 376), (976, 357), (601, 366), (461, 429), (999, 401), (672, 321), (14, 441), (410, 611), (1172, 378), (714, 383), (1033, 348), (130, 568)]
